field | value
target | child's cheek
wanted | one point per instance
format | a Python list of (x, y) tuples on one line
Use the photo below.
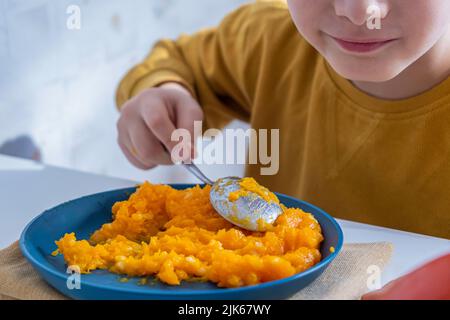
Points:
[(424, 24), (306, 16)]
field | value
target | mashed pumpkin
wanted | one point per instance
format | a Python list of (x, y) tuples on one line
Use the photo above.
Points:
[(176, 235), (248, 185)]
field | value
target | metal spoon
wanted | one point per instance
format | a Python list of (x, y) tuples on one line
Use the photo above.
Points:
[(249, 212)]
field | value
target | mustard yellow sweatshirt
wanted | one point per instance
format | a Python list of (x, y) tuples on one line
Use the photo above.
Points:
[(359, 158)]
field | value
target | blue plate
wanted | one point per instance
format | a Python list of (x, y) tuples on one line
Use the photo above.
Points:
[(86, 214)]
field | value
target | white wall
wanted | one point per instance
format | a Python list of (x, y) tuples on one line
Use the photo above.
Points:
[(57, 85)]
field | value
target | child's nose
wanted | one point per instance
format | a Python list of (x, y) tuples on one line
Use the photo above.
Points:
[(359, 11)]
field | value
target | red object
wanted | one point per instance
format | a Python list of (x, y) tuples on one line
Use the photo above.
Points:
[(428, 282)]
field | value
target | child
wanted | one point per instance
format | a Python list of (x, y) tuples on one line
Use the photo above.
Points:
[(363, 113)]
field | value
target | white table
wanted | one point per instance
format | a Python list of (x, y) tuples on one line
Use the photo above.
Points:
[(28, 188)]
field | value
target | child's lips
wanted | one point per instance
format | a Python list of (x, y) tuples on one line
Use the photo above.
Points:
[(361, 46)]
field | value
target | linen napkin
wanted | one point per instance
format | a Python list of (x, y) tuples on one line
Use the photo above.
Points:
[(347, 277)]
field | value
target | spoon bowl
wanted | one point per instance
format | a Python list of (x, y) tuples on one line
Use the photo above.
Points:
[(250, 212)]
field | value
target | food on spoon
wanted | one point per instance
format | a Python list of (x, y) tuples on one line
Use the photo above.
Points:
[(176, 235), (248, 186)]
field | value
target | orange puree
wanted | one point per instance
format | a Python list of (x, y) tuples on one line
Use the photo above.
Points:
[(249, 185), (176, 235)]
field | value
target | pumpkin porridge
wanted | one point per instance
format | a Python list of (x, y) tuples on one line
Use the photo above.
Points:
[(176, 235)]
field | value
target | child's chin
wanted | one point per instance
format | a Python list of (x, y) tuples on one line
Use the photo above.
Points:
[(366, 72)]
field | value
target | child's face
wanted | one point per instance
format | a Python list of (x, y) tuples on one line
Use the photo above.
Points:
[(343, 33)]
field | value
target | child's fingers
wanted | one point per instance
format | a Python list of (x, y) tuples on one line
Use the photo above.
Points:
[(187, 111), (127, 151), (148, 149), (161, 125), (125, 144), (148, 121)]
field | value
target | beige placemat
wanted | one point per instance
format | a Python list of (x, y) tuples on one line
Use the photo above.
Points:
[(345, 278)]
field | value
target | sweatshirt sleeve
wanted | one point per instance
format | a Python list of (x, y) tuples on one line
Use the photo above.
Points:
[(219, 66)]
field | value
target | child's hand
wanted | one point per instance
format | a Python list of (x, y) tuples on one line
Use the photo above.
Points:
[(147, 121)]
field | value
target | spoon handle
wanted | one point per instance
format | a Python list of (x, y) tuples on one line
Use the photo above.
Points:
[(197, 172), (194, 170)]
